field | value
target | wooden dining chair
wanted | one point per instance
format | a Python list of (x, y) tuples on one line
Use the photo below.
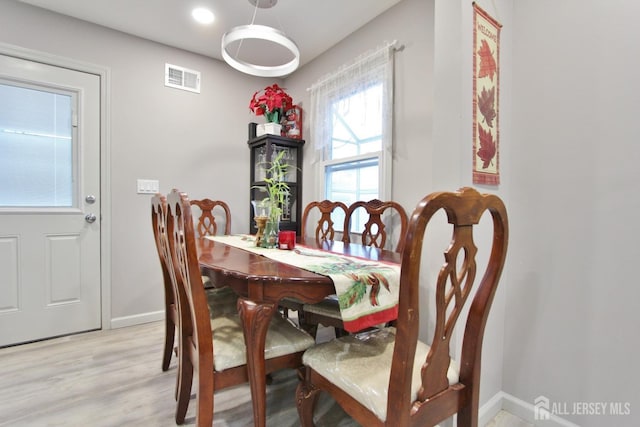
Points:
[(324, 229), (390, 377), (327, 212), (207, 225), (158, 221), (205, 213), (375, 233), (212, 345), (376, 229), (223, 297)]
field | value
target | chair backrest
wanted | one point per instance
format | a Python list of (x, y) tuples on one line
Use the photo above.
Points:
[(158, 221), (207, 224), (192, 300), (455, 281), (375, 231), (324, 230)]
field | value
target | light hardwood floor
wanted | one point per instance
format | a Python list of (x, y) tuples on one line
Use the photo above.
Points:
[(113, 378)]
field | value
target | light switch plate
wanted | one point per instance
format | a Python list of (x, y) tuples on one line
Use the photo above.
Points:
[(148, 186)]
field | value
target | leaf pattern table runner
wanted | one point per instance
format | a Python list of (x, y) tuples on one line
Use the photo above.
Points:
[(367, 291)]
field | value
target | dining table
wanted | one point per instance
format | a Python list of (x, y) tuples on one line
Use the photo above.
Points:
[(261, 282)]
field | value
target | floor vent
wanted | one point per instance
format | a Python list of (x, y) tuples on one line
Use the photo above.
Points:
[(181, 78)]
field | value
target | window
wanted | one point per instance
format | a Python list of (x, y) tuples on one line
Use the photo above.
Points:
[(36, 147), (351, 126)]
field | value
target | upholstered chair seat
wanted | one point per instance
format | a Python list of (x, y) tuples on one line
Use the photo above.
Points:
[(229, 349), (360, 364), (222, 301), (328, 307), (228, 340)]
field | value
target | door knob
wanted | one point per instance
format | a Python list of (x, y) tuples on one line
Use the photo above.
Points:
[(91, 199), (90, 218)]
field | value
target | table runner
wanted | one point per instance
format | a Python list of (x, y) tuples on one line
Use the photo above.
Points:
[(367, 291)]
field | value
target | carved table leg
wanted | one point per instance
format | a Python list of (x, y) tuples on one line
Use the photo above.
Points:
[(255, 322)]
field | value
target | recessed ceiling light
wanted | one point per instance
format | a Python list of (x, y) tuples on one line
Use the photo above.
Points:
[(202, 15)]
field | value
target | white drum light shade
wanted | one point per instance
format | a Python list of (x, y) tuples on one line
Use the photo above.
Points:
[(260, 32)]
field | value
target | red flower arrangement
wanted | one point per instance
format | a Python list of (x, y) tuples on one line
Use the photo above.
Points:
[(272, 103)]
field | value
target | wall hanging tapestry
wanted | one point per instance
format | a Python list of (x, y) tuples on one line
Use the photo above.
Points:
[(486, 72)]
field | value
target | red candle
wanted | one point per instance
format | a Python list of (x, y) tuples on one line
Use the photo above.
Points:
[(287, 240)]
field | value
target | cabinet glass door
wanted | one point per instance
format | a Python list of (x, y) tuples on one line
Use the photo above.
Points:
[(290, 158), (260, 165)]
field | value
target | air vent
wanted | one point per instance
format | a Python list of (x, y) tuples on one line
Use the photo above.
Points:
[(181, 78)]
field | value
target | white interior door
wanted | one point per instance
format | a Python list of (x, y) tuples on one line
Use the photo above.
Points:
[(49, 201)]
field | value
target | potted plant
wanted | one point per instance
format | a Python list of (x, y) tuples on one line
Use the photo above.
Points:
[(278, 192), (272, 104)]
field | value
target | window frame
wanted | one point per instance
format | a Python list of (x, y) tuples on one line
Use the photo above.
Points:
[(383, 156), (75, 193)]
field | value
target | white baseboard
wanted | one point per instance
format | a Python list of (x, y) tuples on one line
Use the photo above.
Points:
[(487, 412), (490, 409), (520, 409), (138, 319)]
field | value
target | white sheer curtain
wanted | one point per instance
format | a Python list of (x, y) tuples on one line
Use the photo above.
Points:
[(372, 66)]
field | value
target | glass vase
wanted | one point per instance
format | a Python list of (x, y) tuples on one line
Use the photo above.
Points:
[(261, 213), (271, 230)]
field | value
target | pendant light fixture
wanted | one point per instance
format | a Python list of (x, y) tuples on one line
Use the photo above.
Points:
[(263, 33)]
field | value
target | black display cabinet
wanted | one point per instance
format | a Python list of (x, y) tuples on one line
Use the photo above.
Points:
[(263, 149)]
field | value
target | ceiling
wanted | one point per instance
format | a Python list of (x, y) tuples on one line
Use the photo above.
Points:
[(314, 25)]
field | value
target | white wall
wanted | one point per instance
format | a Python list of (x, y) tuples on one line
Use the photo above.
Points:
[(571, 330)]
